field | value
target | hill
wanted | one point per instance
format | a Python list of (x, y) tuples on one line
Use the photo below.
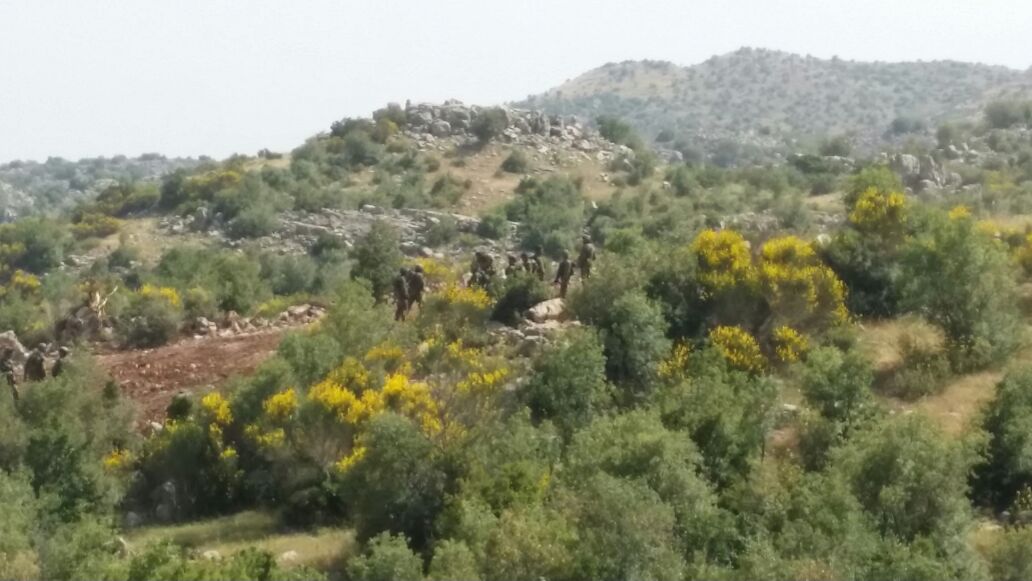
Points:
[(37, 187), (770, 99)]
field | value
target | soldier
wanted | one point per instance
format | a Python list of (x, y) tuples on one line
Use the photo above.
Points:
[(416, 285), (512, 268), (35, 365), (7, 369), (537, 267), (563, 274), (525, 262), (483, 269), (401, 295), (58, 368), (586, 257)]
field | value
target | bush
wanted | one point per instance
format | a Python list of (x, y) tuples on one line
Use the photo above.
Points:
[(489, 124), (452, 560), (254, 221), (493, 226), (396, 486), (634, 336), (1007, 469), (517, 162), (927, 498), (568, 384), (152, 319), (443, 232), (387, 558), (837, 384), (1008, 556), (978, 309), (923, 370), (378, 258), (550, 213), (95, 226)]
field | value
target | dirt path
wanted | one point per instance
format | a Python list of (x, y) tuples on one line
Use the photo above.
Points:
[(151, 377)]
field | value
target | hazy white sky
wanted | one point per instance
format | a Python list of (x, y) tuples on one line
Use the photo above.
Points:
[(189, 77)]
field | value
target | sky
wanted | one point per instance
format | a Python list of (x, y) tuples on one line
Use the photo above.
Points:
[(84, 78)]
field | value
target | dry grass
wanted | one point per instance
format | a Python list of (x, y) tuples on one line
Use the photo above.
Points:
[(323, 549), (880, 340)]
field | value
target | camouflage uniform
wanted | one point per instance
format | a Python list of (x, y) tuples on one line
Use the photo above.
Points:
[(35, 365), (7, 370), (58, 368), (401, 295), (513, 268), (563, 274), (416, 286), (537, 267), (586, 257)]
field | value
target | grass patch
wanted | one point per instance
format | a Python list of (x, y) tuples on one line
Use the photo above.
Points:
[(323, 549)]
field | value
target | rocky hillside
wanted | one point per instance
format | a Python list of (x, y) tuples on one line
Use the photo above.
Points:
[(31, 187), (769, 99)]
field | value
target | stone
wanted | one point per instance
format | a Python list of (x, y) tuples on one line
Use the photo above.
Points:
[(550, 310), (132, 520), (288, 557), (299, 310), (211, 555), (8, 340), (907, 166), (440, 128)]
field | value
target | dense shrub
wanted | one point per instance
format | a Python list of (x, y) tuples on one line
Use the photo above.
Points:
[(517, 162), (1007, 469), (568, 384), (378, 258)]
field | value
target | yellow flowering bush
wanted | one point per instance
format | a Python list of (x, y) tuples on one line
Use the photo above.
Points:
[(351, 373), (789, 345), (675, 366), (880, 212), (391, 355), (281, 406), (348, 462), (436, 272), (474, 297), (218, 407), (959, 212), (164, 293), (724, 260), (117, 460), (797, 286), (738, 348)]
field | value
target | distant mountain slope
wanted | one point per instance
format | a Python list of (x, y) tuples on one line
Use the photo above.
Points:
[(767, 96), (39, 187)]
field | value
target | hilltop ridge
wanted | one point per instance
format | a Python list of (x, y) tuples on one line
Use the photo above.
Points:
[(772, 99)]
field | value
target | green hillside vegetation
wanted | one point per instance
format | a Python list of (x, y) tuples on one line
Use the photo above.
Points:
[(755, 382), (755, 99)]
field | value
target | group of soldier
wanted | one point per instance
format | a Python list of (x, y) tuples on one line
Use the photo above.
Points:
[(35, 366), (408, 291), (533, 264)]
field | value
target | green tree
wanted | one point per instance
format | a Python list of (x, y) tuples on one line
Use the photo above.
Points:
[(1007, 468), (396, 487), (378, 257), (909, 477), (838, 384), (387, 558), (978, 309), (568, 384), (489, 124)]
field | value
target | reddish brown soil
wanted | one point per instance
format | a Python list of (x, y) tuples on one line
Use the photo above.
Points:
[(151, 377)]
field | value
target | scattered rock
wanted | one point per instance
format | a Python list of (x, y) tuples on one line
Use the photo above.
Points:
[(550, 310), (211, 555)]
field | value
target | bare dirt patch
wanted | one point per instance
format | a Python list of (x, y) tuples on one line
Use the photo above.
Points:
[(151, 377)]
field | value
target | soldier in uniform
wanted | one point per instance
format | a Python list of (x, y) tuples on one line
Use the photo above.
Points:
[(416, 285), (586, 257), (483, 269), (563, 274), (35, 365), (537, 267), (58, 368), (7, 369), (525, 262), (401, 295), (512, 268)]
